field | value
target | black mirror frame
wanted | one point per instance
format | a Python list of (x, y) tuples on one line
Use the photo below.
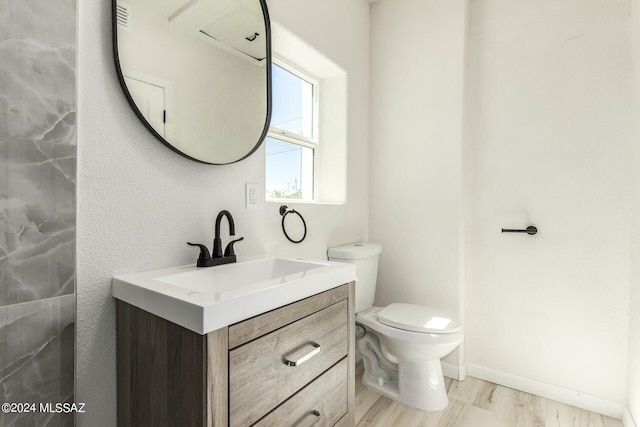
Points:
[(136, 110)]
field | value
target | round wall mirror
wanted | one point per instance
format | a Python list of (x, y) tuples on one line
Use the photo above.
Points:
[(197, 73)]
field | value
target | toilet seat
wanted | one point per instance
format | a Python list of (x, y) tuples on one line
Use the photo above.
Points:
[(369, 319), (417, 318)]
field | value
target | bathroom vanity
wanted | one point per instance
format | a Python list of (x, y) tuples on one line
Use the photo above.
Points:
[(288, 365)]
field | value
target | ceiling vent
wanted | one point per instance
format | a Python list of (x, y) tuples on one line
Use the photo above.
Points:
[(123, 16)]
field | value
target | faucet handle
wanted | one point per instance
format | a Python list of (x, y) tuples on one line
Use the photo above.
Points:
[(228, 251), (204, 252)]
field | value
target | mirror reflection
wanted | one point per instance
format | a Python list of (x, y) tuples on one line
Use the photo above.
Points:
[(197, 73)]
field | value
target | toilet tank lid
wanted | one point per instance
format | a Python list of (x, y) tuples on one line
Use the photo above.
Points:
[(355, 251), (417, 318)]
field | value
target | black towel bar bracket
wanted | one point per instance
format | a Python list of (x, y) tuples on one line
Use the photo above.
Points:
[(530, 230)]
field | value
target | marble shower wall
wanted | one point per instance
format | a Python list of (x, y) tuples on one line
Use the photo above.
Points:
[(37, 207)]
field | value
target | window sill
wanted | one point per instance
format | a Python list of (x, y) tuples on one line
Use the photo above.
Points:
[(302, 202)]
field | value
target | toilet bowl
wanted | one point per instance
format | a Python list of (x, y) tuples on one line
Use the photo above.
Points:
[(417, 380), (401, 344)]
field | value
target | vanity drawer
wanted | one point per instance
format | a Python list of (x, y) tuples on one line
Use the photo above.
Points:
[(267, 371), (321, 404), (255, 327)]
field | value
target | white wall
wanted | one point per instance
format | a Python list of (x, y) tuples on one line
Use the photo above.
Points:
[(548, 143), (417, 66), (536, 132), (138, 202), (634, 300)]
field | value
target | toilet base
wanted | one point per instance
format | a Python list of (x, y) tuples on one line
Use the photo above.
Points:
[(422, 385), (419, 385)]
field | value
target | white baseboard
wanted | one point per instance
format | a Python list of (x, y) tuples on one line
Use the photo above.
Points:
[(453, 371), (553, 392), (627, 419)]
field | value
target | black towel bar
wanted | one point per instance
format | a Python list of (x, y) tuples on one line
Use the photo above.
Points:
[(530, 230)]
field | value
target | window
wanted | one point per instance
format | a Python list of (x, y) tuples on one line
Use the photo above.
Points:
[(306, 147), (292, 140)]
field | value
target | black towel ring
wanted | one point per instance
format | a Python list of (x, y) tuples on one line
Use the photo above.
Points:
[(284, 211)]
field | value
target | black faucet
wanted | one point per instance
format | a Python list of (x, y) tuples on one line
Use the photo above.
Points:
[(218, 257)]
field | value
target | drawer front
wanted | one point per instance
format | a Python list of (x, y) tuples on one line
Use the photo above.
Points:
[(320, 404), (250, 329), (267, 371)]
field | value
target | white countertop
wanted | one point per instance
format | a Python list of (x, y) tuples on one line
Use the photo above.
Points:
[(203, 299)]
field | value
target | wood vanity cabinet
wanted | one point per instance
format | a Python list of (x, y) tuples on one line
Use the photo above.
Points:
[(292, 366)]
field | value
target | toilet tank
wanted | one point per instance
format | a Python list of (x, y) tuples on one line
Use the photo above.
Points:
[(365, 257)]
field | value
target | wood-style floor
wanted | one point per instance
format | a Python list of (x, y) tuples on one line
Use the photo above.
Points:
[(474, 403)]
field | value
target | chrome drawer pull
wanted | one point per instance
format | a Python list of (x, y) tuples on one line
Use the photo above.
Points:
[(316, 417), (300, 359)]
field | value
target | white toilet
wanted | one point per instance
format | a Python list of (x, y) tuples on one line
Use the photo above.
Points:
[(400, 344)]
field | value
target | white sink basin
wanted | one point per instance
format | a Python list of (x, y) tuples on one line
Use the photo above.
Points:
[(206, 299)]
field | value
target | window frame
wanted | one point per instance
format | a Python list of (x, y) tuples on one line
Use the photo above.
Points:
[(292, 138)]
